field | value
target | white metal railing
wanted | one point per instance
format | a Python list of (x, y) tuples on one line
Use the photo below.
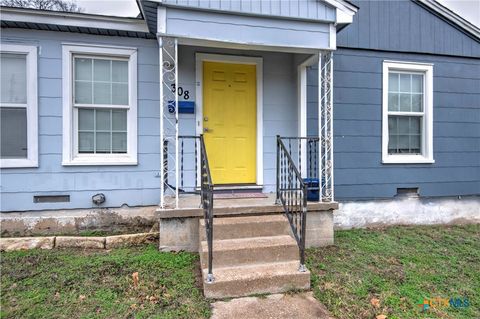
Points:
[(169, 167), (325, 118)]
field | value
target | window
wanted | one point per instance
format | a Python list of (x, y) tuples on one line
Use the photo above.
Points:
[(18, 106), (407, 113), (100, 115)]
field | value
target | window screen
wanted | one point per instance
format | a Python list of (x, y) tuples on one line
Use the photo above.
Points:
[(405, 112), (13, 107), (101, 81), (102, 130)]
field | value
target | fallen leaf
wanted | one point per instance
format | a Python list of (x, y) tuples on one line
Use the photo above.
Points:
[(381, 317), (135, 279), (375, 302), (57, 295), (133, 306), (81, 297)]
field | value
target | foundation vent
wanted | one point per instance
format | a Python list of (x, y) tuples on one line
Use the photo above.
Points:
[(407, 192), (51, 198)]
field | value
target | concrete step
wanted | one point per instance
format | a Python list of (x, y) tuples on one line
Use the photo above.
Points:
[(255, 279), (255, 250), (246, 226)]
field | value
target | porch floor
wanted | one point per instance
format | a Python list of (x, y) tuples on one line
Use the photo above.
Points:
[(189, 206)]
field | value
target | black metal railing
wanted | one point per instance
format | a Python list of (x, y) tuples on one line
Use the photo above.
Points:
[(307, 147), (207, 203), (188, 146), (292, 195)]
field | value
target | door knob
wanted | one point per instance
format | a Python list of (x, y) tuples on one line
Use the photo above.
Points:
[(206, 130)]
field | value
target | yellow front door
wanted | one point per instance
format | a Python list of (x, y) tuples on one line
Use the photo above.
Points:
[(230, 121)]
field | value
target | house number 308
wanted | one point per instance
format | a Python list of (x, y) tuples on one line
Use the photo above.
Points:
[(181, 92)]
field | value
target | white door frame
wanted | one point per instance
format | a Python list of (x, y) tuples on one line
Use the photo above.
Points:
[(258, 62)]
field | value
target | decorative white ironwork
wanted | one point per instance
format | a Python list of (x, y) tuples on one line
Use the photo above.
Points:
[(326, 127), (169, 166)]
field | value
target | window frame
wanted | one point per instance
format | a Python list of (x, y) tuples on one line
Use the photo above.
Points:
[(71, 156), (426, 155), (31, 106)]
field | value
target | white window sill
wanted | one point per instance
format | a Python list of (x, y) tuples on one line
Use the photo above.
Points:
[(18, 163), (99, 161), (407, 159)]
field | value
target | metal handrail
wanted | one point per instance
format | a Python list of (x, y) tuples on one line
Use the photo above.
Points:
[(292, 194), (207, 204)]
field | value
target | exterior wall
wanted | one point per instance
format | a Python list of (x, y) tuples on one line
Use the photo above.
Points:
[(279, 103), (402, 31), (132, 185), (358, 170), (300, 9), (404, 26), (136, 185)]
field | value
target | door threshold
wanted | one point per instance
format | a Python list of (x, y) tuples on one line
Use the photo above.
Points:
[(238, 188)]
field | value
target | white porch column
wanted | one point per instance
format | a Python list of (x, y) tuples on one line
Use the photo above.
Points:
[(325, 125), (169, 166), (302, 101), (302, 114)]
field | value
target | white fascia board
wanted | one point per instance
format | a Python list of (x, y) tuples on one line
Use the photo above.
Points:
[(161, 19), (452, 16), (343, 18), (344, 11), (74, 19)]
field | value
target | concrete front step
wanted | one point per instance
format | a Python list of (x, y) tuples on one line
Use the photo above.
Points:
[(247, 226), (256, 279), (255, 250)]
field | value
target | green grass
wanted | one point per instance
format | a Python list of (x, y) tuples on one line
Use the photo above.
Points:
[(399, 266), (98, 284)]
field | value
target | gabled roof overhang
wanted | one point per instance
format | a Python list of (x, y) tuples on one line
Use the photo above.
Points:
[(74, 22), (451, 17)]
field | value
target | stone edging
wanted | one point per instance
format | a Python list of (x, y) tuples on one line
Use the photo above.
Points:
[(108, 242)]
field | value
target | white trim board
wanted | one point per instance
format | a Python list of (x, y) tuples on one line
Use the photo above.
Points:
[(31, 106), (70, 155), (427, 126), (258, 62)]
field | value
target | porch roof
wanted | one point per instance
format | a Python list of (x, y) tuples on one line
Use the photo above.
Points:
[(308, 24)]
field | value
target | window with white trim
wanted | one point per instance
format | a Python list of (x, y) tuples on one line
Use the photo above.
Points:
[(407, 113), (100, 124), (18, 106)]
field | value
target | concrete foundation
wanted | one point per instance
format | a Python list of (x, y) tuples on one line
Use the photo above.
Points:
[(179, 228), (179, 234), (408, 211), (319, 228), (76, 221)]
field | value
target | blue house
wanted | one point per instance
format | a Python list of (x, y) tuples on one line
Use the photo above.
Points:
[(370, 110)]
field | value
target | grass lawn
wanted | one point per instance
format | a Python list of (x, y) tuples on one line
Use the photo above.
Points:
[(85, 284), (399, 266)]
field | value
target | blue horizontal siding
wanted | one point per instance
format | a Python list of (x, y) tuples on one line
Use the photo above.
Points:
[(132, 185), (359, 172), (139, 184)]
